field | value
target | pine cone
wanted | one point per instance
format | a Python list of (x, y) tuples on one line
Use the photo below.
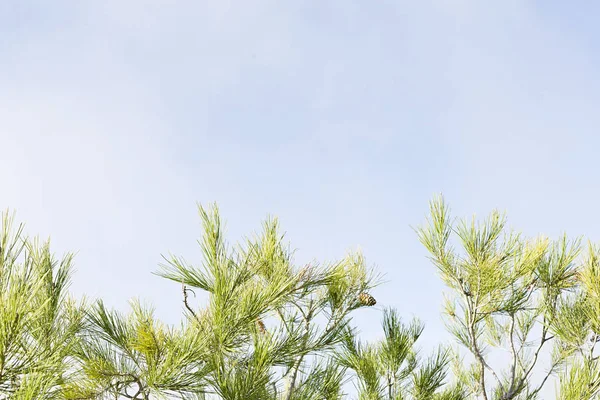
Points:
[(261, 326), (366, 299)]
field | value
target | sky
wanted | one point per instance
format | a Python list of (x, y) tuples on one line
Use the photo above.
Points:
[(342, 118)]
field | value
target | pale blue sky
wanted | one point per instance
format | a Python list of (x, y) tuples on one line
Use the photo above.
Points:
[(343, 118)]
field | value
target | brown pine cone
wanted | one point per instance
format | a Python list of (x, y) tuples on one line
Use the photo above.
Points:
[(366, 299), (261, 326)]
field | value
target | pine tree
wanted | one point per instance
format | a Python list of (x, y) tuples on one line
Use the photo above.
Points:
[(302, 312), (393, 369), (507, 292), (38, 320)]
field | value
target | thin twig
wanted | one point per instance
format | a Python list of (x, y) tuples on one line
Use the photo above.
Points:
[(184, 289), (472, 316), (292, 380), (513, 351)]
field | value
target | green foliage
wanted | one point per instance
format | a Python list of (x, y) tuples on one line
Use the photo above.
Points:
[(307, 309), (392, 368), (38, 321), (137, 356), (271, 329), (506, 290)]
